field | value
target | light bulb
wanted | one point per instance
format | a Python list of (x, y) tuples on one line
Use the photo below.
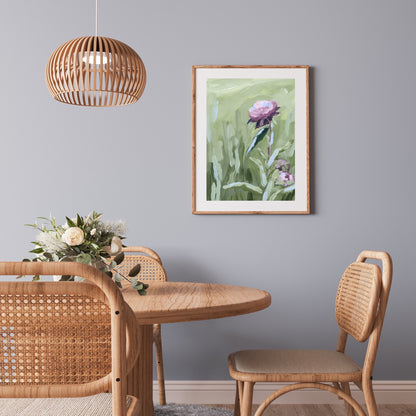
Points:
[(97, 56)]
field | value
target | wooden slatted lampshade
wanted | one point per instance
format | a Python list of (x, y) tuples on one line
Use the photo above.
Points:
[(95, 71)]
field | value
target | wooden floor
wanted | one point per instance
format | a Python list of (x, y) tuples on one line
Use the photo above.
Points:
[(328, 410)]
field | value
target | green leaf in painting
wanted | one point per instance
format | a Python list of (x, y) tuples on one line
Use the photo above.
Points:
[(257, 138), (261, 168), (289, 188), (273, 157), (244, 185), (269, 187)]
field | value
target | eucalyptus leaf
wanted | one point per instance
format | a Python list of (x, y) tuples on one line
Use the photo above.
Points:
[(117, 277), (84, 258), (48, 256), (36, 277), (109, 273), (119, 258), (119, 284), (65, 278), (142, 292), (26, 260), (112, 265), (68, 258), (138, 287), (135, 270)]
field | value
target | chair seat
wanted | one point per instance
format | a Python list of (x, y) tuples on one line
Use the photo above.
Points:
[(293, 365), (98, 405)]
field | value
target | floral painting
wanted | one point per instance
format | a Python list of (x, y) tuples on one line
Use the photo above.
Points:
[(249, 139)]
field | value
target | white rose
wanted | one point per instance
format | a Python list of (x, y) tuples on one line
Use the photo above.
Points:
[(73, 236)]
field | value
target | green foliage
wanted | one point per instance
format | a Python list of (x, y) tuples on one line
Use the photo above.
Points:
[(240, 158)]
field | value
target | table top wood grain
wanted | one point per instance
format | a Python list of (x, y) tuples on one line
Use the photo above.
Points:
[(168, 302)]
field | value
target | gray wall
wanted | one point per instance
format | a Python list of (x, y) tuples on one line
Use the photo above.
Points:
[(134, 163)]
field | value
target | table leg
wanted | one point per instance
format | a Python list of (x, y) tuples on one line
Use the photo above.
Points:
[(140, 379)]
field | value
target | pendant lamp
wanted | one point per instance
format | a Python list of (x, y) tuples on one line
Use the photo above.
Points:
[(95, 71)]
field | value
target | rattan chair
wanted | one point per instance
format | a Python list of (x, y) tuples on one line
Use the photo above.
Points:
[(360, 307), (151, 270), (64, 345)]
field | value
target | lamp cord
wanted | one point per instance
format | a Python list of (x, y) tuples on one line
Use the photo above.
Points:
[(96, 18)]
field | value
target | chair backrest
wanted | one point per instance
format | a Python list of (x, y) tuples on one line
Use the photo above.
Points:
[(361, 302), (357, 299), (151, 264), (64, 339)]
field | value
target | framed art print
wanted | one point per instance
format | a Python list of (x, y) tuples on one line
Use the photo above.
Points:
[(250, 140)]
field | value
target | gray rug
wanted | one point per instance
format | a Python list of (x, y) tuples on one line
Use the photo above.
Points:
[(190, 410)]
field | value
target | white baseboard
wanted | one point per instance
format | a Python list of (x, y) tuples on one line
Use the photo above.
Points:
[(222, 392)]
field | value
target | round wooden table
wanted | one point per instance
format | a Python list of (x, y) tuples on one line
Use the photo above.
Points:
[(168, 302)]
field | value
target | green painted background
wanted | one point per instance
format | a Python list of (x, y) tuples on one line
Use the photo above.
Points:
[(229, 137)]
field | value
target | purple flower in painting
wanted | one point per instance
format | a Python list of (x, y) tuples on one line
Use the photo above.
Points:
[(262, 112), (282, 165), (286, 177)]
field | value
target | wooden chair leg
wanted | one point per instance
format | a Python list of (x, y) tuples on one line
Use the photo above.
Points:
[(369, 398), (157, 339), (247, 403), (345, 387), (237, 399)]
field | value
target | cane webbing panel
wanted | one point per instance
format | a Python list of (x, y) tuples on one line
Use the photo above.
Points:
[(357, 299), (151, 269), (53, 339), (97, 405)]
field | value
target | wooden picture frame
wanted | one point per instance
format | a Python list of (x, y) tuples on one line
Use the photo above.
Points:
[(250, 140)]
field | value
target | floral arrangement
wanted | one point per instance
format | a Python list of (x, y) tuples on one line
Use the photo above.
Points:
[(87, 240)]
